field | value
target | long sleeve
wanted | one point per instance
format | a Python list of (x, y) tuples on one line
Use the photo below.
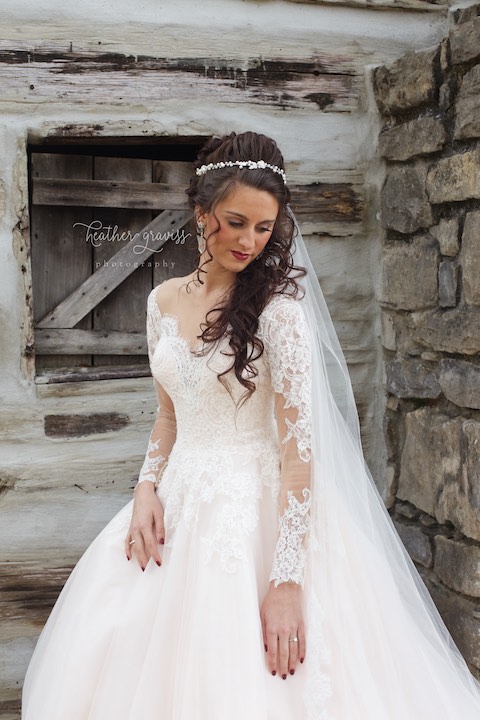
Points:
[(288, 346), (164, 431)]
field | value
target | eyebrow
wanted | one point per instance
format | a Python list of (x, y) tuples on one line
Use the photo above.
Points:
[(232, 212)]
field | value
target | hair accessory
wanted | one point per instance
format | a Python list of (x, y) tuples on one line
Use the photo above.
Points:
[(250, 164)]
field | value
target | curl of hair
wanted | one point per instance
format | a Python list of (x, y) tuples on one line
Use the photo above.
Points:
[(238, 316)]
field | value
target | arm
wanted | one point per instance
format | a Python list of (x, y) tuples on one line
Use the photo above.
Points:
[(288, 350)]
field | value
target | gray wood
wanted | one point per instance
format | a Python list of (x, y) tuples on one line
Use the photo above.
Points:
[(61, 260), (94, 342), (68, 313)]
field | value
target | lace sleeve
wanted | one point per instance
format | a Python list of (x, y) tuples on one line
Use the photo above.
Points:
[(288, 347), (164, 431)]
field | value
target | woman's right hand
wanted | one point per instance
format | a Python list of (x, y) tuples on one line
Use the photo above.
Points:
[(146, 527)]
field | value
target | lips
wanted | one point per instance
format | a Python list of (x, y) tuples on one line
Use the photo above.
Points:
[(239, 256)]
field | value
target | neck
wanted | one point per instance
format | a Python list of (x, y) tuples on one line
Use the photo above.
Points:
[(214, 280)]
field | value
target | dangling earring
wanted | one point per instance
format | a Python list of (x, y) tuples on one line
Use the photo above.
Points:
[(200, 238)]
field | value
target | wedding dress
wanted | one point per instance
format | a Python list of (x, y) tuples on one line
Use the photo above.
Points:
[(184, 641)]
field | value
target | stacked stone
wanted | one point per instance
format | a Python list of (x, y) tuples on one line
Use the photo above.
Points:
[(430, 296)]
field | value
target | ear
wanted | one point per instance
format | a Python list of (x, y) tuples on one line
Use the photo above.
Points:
[(200, 215)]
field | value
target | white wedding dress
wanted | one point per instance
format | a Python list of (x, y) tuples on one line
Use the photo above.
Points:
[(184, 641)]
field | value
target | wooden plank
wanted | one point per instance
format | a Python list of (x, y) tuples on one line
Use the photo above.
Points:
[(68, 313), (421, 5), (126, 80), (108, 193), (61, 260), (329, 202), (81, 425), (94, 342), (124, 308), (68, 375)]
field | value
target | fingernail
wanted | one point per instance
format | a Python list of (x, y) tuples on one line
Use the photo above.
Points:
[(284, 677), (274, 672), (127, 557), (302, 659), (292, 672), (143, 569), (266, 649), (162, 540), (158, 563)]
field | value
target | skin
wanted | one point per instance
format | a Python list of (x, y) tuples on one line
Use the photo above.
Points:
[(246, 218)]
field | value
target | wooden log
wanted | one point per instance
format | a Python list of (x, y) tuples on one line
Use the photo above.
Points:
[(71, 426), (95, 342), (98, 373), (100, 284), (108, 193)]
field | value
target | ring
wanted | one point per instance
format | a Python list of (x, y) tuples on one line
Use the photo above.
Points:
[(131, 542), (295, 639)]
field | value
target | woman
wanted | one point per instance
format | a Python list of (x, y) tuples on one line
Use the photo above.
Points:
[(264, 578)]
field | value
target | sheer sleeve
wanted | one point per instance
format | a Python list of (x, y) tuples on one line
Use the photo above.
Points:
[(164, 431), (288, 346)]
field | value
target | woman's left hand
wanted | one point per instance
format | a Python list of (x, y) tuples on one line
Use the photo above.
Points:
[(282, 620)]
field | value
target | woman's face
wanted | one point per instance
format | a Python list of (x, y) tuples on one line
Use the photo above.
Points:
[(246, 218)]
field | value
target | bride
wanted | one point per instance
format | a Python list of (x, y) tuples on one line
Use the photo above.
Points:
[(256, 573)]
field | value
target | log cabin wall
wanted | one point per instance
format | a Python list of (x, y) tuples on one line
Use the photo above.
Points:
[(71, 451)]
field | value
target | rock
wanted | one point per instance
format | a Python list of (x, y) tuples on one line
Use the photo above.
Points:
[(467, 108), (416, 137), (436, 469), (446, 232), (404, 201), (455, 178), (403, 264), (458, 565), (464, 14), (470, 258), (407, 510), (406, 83), (388, 332), (447, 284), (460, 382), (465, 41), (417, 543), (460, 617), (451, 331), (412, 379)]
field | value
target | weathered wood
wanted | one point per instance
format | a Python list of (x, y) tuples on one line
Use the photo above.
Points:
[(63, 426), (101, 283), (94, 342), (422, 5), (61, 260), (97, 373), (330, 202), (108, 193), (126, 80)]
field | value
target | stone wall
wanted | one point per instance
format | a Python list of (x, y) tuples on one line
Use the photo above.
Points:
[(430, 297)]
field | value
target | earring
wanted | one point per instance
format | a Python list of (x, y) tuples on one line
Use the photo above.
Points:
[(200, 238)]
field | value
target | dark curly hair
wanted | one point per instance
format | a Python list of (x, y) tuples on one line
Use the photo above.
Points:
[(238, 316)]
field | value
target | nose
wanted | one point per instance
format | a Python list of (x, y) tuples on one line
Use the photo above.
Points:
[(247, 238)]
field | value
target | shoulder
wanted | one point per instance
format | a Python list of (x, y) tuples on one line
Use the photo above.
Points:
[(164, 294), (282, 307), (283, 320)]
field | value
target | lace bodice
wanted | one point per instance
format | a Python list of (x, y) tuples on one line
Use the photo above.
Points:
[(216, 451)]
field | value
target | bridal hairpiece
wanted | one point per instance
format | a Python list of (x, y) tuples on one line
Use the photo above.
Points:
[(251, 164)]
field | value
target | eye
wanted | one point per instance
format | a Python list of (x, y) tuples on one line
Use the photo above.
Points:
[(234, 224), (264, 230)]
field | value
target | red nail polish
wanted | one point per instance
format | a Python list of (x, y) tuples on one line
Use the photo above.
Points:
[(302, 659), (266, 649), (143, 569), (292, 672), (274, 672), (158, 563), (284, 677), (162, 540)]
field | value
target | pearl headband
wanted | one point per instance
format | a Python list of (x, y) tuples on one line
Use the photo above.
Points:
[(250, 164)]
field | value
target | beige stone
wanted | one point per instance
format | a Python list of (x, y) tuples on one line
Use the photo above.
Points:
[(409, 274), (460, 616), (457, 563), (416, 137), (467, 109), (452, 331), (406, 83), (447, 284), (438, 469), (388, 331), (470, 258), (417, 543), (460, 382), (446, 233), (404, 202), (465, 41), (455, 178)]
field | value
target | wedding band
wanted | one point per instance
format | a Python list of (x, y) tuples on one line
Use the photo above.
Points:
[(131, 542), (295, 639)]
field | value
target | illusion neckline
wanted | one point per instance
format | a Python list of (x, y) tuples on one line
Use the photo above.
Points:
[(193, 351)]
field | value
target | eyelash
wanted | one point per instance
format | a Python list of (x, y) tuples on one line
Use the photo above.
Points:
[(237, 225)]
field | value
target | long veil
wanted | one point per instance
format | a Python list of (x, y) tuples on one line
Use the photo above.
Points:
[(377, 646)]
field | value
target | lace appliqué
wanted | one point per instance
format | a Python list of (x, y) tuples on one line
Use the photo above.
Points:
[(289, 560), (152, 464)]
